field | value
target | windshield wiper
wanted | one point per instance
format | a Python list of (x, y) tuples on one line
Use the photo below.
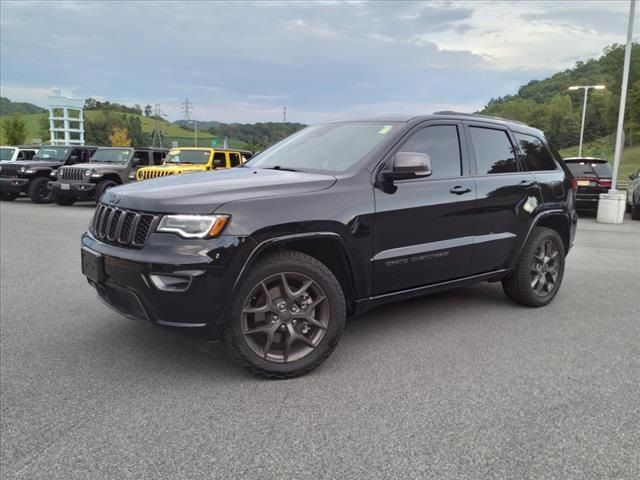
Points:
[(280, 167)]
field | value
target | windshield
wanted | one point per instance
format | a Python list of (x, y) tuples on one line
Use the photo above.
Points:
[(6, 153), (333, 147), (112, 155), (589, 169), (200, 157), (52, 154)]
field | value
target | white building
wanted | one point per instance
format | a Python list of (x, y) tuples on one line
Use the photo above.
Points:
[(66, 121)]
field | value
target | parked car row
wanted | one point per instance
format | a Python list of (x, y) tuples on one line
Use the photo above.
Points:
[(66, 174)]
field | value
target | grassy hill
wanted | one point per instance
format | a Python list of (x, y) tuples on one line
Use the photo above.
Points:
[(172, 132)]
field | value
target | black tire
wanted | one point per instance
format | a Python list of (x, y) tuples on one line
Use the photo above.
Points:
[(102, 187), (283, 328), (8, 196), (39, 190), (635, 212), (534, 283)]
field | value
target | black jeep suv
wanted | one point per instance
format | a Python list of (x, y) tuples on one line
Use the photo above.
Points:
[(33, 176), (336, 219)]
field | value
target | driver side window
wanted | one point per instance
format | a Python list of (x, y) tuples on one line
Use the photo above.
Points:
[(442, 144)]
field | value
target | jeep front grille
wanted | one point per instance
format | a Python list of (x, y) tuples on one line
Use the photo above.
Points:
[(147, 174), (9, 171), (70, 173), (122, 227)]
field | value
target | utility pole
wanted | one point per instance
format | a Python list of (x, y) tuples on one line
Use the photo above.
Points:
[(584, 107), (157, 139), (284, 114), (623, 98), (611, 205), (187, 108)]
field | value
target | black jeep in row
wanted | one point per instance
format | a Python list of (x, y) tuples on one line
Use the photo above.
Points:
[(109, 167), (32, 177), (332, 221)]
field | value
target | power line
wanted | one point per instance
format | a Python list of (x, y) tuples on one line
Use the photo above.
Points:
[(187, 108)]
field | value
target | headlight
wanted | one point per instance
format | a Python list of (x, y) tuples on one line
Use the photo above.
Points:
[(132, 176), (87, 173), (54, 173), (193, 226), (22, 169), (29, 170)]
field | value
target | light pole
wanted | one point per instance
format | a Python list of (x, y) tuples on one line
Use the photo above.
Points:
[(584, 107), (195, 138)]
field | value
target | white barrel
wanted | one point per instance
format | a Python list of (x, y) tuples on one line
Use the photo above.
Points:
[(611, 207)]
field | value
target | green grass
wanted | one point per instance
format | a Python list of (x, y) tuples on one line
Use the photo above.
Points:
[(603, 148), (171, 132)]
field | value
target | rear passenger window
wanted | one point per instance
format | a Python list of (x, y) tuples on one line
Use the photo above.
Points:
[(142, 156), (494, 152), (219, 160), (442, 144), (158, 158), (29, 154), (234, 158), (537, 157)]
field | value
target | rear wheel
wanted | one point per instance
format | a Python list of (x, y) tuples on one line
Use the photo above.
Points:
[(287, 316), (8, 196), (102, 187), (39, 190), (539, 271)]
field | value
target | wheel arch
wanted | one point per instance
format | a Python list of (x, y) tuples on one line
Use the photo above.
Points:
[(326, 247), (554, 219)]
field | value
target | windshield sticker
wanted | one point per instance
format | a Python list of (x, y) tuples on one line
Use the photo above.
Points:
[(384, 130)]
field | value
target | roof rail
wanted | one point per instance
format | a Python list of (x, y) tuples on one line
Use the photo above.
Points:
[(478, 115)]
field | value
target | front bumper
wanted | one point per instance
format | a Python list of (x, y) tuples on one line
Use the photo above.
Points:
[(13, 184), (134, 283), (77, 190)]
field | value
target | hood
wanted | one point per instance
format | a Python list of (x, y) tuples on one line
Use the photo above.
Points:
[(100, 165), (179, 167), (204, 192), (36, 164)]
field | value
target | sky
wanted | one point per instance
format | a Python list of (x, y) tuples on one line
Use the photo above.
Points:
[(243, 61)]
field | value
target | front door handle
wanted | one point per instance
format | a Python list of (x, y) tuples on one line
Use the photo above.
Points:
[(458, 190), (526, 183)]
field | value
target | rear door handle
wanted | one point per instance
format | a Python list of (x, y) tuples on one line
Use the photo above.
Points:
[(458, 190), (526, 183)]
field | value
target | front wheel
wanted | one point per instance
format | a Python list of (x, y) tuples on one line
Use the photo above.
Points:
[(539, 271), (102, 187), (39, 190), (287, 316)]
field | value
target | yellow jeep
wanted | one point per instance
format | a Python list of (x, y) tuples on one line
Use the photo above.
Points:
[(194, 159)]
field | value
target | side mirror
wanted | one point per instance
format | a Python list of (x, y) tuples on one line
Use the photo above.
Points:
[(74, 159), (218, 163), (136, 162), (408, 165)]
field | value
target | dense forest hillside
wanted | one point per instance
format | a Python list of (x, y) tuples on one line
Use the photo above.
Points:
[(7, 107), (549, 105)]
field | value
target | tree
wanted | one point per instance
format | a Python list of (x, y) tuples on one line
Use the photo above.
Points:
[(15, 129), (119, 137), (147, 110)]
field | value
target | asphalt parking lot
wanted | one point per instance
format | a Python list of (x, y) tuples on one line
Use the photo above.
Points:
[(461, 385)]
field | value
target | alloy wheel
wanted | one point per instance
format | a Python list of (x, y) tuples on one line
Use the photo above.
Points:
[(285, 317), (545, 268)]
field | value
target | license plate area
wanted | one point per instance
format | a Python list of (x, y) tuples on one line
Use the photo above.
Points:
[(92, 265), (65, 186), (584, 183)]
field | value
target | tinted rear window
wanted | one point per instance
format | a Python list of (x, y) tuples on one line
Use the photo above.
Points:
[(494, 152), (589, 169), (536, 155)]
